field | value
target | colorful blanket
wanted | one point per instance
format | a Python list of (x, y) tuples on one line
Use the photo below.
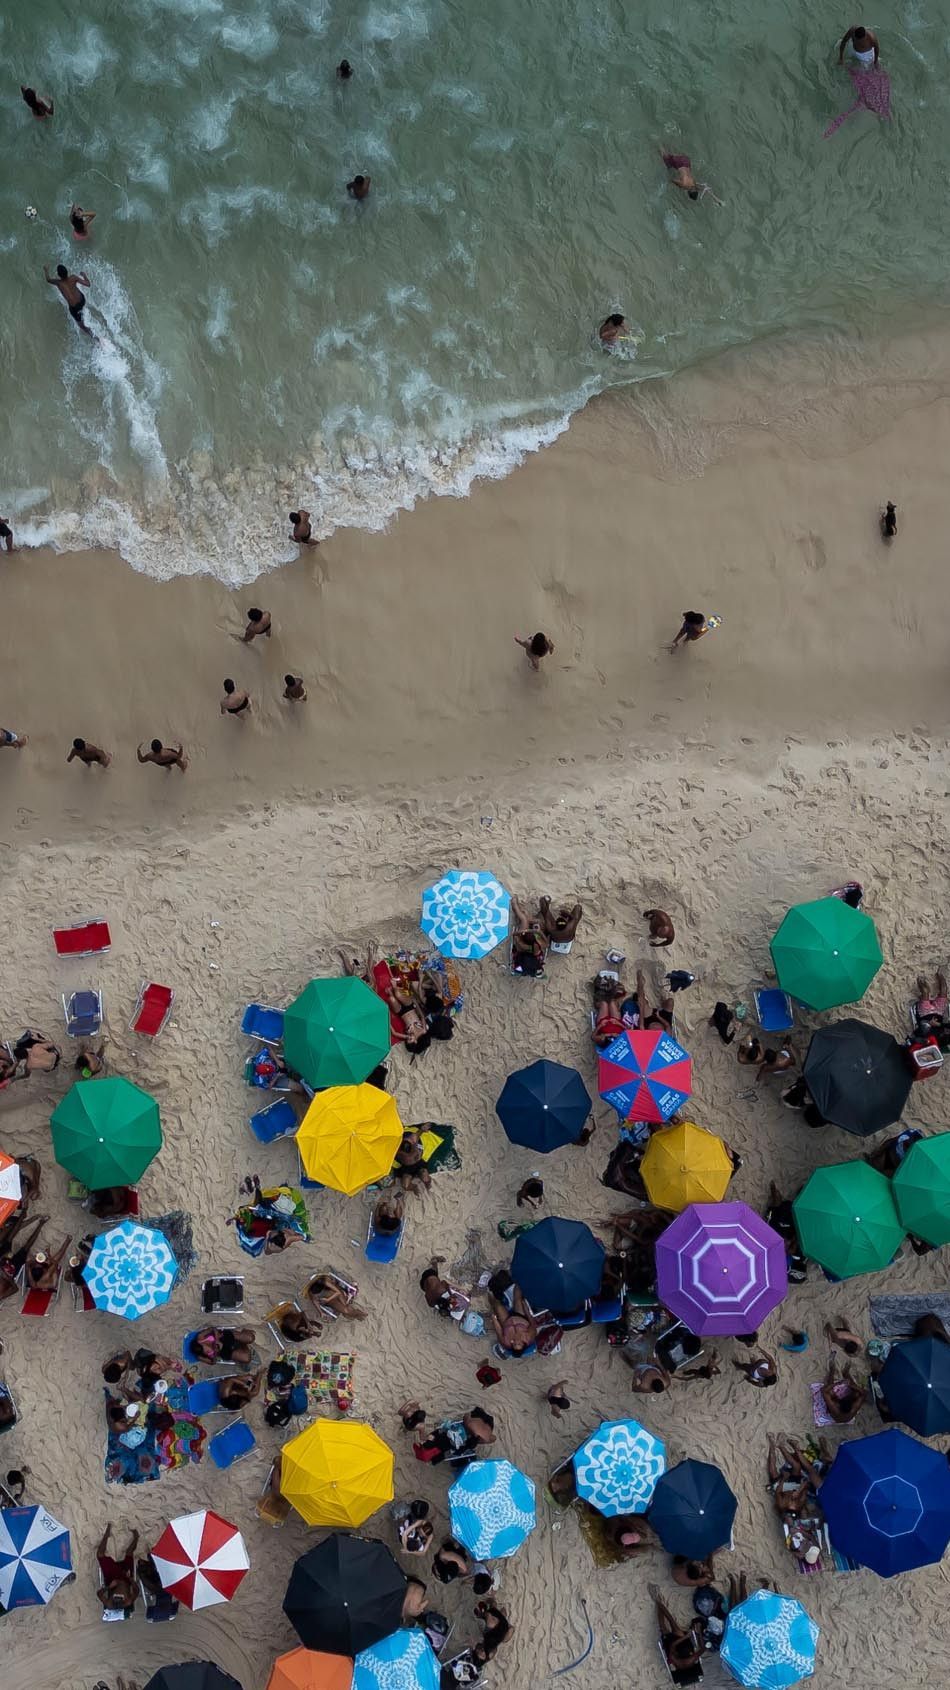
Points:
[(327, 1375), (161, 1448), (295, 1220)]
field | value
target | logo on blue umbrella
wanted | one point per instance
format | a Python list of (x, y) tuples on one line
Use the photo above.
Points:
[(466, 913), (130, 1270), (493, 1508), (403, 1661), (770, 1641), (34, 1557)]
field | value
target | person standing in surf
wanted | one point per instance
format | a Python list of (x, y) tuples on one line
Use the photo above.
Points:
[(80, 221), (40, 104), (72, 293), (865, 47)]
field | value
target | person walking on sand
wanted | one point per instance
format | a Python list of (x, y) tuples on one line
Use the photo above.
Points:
[(75, 299), (889, 521), (535, 648), (301, 528), (80, 221), (89, 754), (693, 627), (294, 688), (6, 533), (41, 105), (557, 1400), (233, 703), (14, 740), (163, 756), (359, 188), (258, 622), (864, 45)]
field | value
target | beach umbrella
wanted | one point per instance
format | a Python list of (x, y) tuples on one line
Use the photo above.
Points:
[(886, 1500), (9, 1186), (692, 1509), (34, 1557), (685, 1164), (915, 1380), (310, 1669), (336, 1473), (645, 1076), (720, 1268), (345, 1594), (349, 1137), (846, 1220), (466, 913), (769, 1641), (617, 1468), (107, 1133), (921, 1188), (825, 953), (558, 1264), (858, 1076), (492, 1508), (404, 1661), (544, 1106), (201, 1559), (192, 1675), (130, 1271), (336, 1032)]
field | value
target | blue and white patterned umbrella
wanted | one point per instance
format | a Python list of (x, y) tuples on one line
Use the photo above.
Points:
[(130, 1270), (769, 1641), (617, 1469), (492, 1508), (404, 1660), (34, 1557), (466, 913)]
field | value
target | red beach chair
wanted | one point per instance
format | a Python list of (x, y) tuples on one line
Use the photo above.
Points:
[(152, 1010), (83, 938)]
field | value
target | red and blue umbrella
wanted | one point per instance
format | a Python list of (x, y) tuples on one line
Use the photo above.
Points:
[(646, 1076), (720, 1268), (34, 1557), (886, 1500)]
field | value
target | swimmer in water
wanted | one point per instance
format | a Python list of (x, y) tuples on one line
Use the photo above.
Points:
[(344, 70), (358, 189), (613, 328), (80, 221), (72, 293), (40, 105), (864, 45), (234, 702), (680, 166)]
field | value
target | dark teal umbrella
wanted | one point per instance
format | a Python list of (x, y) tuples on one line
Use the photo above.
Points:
[(336, 1032), (544, 1106)]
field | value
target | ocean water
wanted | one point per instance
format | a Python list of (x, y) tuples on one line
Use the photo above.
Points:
[(266, 342)]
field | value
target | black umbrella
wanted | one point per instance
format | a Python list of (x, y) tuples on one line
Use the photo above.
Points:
[(344, 1595), (858, 1076), (192, 1675)]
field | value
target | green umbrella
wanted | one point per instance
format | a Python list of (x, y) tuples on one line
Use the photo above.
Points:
[(336, 1032), (921, 1189), (825, 953), (846, 1219), (106, 1132)]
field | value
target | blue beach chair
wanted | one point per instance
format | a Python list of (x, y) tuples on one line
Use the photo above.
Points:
[(275, 1120), (82, 1012), (261, 1022), (773, 1009), (382, 1247), (604, 1310), (204, 1397), (232, 1444)]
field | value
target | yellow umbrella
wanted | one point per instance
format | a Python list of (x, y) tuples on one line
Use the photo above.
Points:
[(349, 1137), (685, 1164), (336, 1473)]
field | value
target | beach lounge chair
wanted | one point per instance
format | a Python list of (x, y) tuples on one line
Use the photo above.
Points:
[(7, 1395), (275, 1120), (190, 1354), (272, 1509), (82, 1012), (153, 1008), (204, 1397), (157, 1606), (273, 1319), (39, 1303), (82, 1297), (261, 1022), (680, 1675), (605, 1310), (513, 967), (232, 1444), (677, 1347), (576, 1317), (346, 1286), (83, 938), (224, 1295), (382, 1247), (773, 1009)]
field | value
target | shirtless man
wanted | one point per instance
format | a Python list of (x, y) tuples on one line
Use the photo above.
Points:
[(612, 328), (41, 105), (258, 622), (561, 927), (359, 188), (864, 44), (660, 1018), (164, 756), (69, 287), (234, 703), (89, 754), (302, 531), (661, 927), (681, 172), (294, 689), (118, 1588)]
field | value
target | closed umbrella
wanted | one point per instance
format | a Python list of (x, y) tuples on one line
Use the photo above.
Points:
[(915, 1380), (846, 1219), (466, 913), (645, 1076), (825, 953), (720, 1268), (492, 1508), (310, 1669), (404, 1661), (107, 1133), (684, 1164), (201, 1559), (769, 1642), (345, 1594), (336, 1473), (192, 1675), (692, 1509), (130, 1270), (544, 1106), (558, 1264), (858, 1076), (921, 1189), (617, 1468), (349, 1137), (336, 1032), (34, 1557), (886, 1500)]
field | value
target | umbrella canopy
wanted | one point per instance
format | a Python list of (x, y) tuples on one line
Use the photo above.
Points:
[(9, 1186), (466, 913), (192, 1675), (106, 1134), (201, 1559), (34, 1557), (886, 1499), (720, 1268), (645, 1076), (858, 1076), (336, 1032), (825, 953), (684, 1164), (915, 1380), (846, 1219), (336, 1473), (349, 1137), (492, 1508), (616, 1470), (769, 1641), (558, 1264), (345, 1594), (404, 1661), (692, 1509), (130, 1270), (309, 1669), (544, 1106), (921, 1188)]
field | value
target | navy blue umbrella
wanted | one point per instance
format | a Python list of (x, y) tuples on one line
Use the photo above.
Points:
[(887, 1502), (915, 1380), (192, 1675), (692, 1509), (544, 1106), (558, 1264)]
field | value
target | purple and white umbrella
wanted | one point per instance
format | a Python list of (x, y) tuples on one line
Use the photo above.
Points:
[(720, 1268)]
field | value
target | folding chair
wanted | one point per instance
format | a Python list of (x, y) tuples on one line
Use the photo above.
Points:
[(349, 1291), (232, 1444), (7, 1395), (272, 1509), (82, 1297), (273, 1320), (82, 1012), (261, 1022), (303, 1179), (773, 1009), (158, 1608), (275, 1120), (83, 938), (577, 1317), (681, 1675), (677, 1347), (561, 947), (153, 1008), (192, 1355), (264, 1081), (224, 1295), (204, 1397), (605, 1310), (39, 1303), (382, 1247)]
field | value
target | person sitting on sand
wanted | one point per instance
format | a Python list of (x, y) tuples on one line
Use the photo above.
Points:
[(325, 1293), (690, 1573), (515, 1327), (388, 1216), (90, 1063), (410, 1162), (118, 1588), (450, 1562), (240, 1389), (536, 647), (659, 1019), (437, 1291), (662, 931), (163, 756), (750, 1051), (110, 1202), (224, 1343), (414, 1601), (529, 945), (561, 925), (648, 1377), (42, 1270), (842, 1398), (613, 328), (930, 1012), (36, 1052), (298, 1327), (683, 1646), (889, 521), (694, 625), (843, 1336), (630, 1535), (759, 1370), (888, 1156), (708, 1369), (498, 1629), (776, 1061), (530, 1193), (415, 1530)]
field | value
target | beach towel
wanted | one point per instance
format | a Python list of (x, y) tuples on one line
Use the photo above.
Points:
[(873, 90), (271, 1209), (822, 1417), (326, 1375), (595, 1532), (896, 1317), (182, 1444)]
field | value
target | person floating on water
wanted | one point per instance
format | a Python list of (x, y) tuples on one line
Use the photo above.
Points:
[(681, 167), (864, 45), (80, 221), (358, 189), (72, 293), (40, 104)]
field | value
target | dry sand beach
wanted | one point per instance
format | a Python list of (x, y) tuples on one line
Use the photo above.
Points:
[(803, 743)]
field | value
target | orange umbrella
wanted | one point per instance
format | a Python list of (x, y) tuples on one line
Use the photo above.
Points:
[(9, 1186), (307, 1669)]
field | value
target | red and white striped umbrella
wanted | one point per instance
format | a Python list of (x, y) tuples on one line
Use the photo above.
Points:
[(201, 1559)]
